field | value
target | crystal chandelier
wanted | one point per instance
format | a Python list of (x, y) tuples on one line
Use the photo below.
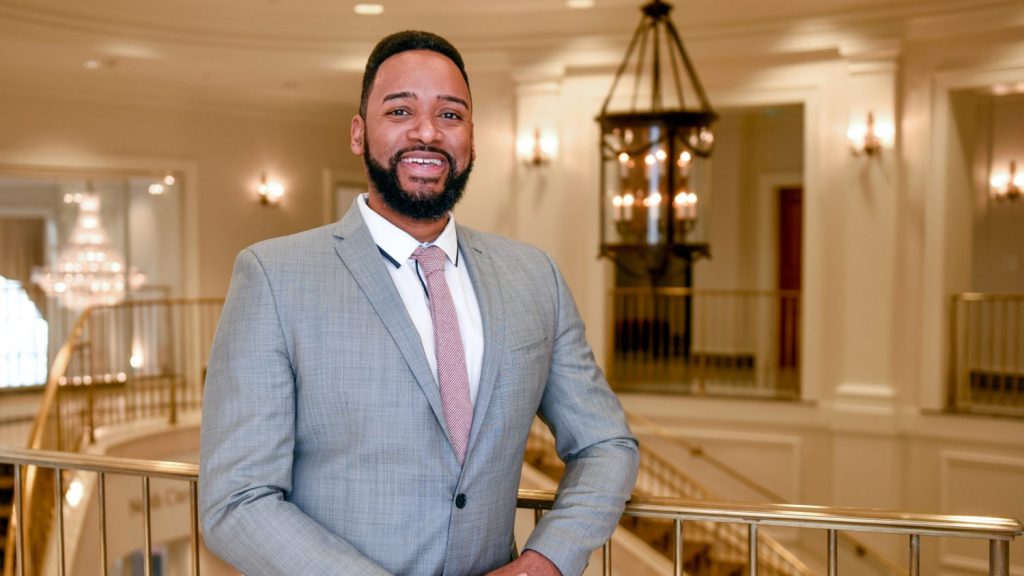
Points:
[(89, 271), (656, 139)]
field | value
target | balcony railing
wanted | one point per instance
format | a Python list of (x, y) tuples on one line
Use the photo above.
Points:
[(705, 342), (121, 363), (681, 513), (986, 351)]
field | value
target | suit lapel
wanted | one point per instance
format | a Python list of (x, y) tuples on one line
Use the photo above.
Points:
[(356, 248), (488, 294)]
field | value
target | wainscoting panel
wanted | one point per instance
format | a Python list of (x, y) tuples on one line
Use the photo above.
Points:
[(992, 485)]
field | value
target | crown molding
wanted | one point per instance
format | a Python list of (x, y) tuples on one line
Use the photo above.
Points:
[(302, 112)]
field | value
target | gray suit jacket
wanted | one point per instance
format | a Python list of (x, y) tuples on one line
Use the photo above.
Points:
[(324, 447)]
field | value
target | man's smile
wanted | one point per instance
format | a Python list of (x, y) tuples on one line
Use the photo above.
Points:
[(421, 164)]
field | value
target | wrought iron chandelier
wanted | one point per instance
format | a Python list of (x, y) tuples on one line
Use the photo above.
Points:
[(89, 271), (656, 139)]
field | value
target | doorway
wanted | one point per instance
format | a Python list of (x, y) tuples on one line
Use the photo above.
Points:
[(789, 273)]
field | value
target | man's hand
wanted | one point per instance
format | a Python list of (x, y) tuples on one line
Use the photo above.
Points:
[(529, 564)]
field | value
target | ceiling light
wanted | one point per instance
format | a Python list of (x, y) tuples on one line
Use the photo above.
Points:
[(654, 146), (580, 4), (369, 9)]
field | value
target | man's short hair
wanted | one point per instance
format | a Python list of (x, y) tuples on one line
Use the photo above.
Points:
[(403, 42)]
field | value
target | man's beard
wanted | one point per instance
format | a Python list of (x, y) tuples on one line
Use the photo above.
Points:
[(426, 207)]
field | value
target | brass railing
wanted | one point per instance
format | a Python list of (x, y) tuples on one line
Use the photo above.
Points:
[(658, 477), (986, 352), (682, 513), (705, 342), (122, 363), (641, 425)]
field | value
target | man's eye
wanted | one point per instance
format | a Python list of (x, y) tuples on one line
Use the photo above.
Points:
[(451, 116), (398, 112)]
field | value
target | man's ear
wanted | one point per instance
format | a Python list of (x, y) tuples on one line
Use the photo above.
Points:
[(358, 133)]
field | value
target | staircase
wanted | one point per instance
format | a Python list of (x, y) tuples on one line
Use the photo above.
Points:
[(709, 549), (6, 506)]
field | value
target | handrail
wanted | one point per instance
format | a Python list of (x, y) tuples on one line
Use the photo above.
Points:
[(35, 441), (50, 426), (807, 516), (57, 369), (653, 469), (680, 291), (999, 531), (699, 452)]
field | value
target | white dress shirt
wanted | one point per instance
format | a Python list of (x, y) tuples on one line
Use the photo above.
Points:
[(398, 245)]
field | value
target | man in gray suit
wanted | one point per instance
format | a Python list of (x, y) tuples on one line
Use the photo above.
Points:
[(372, 382)]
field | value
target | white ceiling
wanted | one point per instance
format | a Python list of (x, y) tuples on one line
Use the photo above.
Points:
[(311, 52)]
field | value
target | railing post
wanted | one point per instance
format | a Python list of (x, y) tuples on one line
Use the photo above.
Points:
[(90, 420), (193, 490), (58, 495), (147, 566), (915, 555), (607, 558), (999, 557), (19, 521), (833, 553), (752, 546), (101, 490), (678, 557), (174, 402)]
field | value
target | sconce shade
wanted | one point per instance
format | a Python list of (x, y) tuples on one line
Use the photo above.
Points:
[(270, 191), (656, 139), (869, 138), (537, 148)]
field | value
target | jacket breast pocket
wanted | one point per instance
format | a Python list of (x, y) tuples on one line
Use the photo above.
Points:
[(524, 371)]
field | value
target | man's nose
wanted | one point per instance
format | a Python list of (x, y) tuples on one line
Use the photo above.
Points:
[(425, 131)]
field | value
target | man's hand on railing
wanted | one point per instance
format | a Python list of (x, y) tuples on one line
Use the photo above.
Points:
[(529, 564)]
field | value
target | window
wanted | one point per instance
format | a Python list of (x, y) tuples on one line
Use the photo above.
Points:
[(23, 338)]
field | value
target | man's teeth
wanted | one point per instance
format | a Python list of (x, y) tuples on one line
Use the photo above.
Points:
[(433, 161)]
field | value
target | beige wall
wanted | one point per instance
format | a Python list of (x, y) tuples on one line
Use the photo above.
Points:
[(227, 149)]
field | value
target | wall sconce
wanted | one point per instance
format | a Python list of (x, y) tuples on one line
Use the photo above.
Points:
[(869, 138), (1007, 185), (270, 191), (538, 149)]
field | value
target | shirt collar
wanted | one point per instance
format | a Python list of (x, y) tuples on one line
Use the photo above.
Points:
[(397, 244)]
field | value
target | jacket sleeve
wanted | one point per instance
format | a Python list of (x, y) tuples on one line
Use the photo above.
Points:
[(248, 436), (592, 437)]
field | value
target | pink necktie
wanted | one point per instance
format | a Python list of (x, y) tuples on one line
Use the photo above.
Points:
[(451, 357)]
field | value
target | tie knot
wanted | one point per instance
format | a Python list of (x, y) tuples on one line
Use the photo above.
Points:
[(431, 258)]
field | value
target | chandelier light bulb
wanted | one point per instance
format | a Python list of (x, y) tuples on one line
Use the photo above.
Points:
[(88, 271)]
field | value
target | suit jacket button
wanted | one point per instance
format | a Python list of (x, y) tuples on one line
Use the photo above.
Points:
[(460, 501)]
